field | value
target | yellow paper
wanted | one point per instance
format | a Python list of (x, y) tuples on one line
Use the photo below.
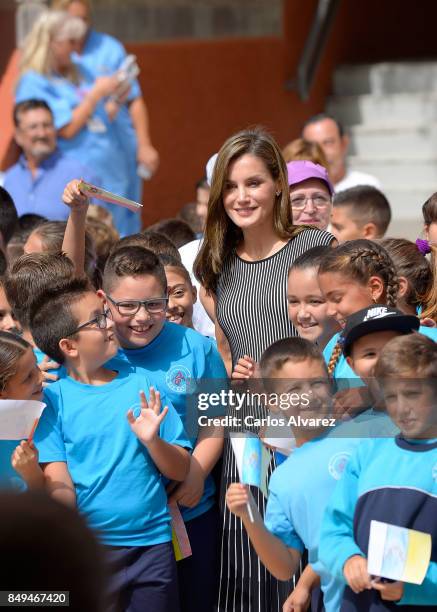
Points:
[(418, 556)]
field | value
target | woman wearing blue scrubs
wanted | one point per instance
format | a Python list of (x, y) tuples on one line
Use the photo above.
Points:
[(101, 54), (78, 102)]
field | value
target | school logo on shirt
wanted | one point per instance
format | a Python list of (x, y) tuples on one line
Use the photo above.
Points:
[(434, 472), (337, 464), (178, 378)]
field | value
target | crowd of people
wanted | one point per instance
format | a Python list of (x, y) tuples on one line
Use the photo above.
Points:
[(278, 281)]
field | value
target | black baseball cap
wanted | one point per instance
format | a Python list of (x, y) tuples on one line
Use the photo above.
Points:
[(376, 318)]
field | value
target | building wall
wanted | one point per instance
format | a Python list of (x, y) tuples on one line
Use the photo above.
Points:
[(199, 91), (146, 20)]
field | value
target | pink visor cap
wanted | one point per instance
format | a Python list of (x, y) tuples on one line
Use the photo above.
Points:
[(299, 171)]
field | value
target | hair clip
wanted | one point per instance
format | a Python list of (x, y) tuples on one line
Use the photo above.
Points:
[(423, 246)]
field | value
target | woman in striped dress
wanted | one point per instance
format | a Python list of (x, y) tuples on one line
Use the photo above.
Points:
[(250, 243)]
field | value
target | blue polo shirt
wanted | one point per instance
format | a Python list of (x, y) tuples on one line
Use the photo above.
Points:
[(118, 486), (297, 500), (42, 194), (176, 359)]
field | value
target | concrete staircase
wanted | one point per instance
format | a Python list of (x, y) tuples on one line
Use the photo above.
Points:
[(390, 112)]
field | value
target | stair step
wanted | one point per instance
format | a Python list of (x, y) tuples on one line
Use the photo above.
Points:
[(404, 228), (398, 170), (394, 140), (380, 109), (386, 78)]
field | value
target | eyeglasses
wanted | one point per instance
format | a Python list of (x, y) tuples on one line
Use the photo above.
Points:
[(319, 201), (129, 308), (35, 126), (100, 321)]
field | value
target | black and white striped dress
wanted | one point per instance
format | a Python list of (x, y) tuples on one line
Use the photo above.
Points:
[(252, 312)]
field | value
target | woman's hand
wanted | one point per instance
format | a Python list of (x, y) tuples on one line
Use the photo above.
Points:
[(105, 86), (148, 156), (245, 368)]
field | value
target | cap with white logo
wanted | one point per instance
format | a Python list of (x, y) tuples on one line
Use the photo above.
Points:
[(374, 319)]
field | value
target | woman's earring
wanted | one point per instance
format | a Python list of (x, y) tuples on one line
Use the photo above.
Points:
[(278, 193)]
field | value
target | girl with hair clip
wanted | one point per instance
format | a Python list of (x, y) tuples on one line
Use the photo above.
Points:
[(250, 242), (76, 99), (429, 246), (20, 379), (354, 276), (416, 280)]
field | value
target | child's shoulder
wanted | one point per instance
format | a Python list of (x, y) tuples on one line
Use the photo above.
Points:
[(68, 388), (369, 424), (430, 332), (327, 351), (190, 336)]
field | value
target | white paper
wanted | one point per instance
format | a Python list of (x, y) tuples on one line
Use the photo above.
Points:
[(377, 536), (279, 437), (238, 441), (398, 553), (17, 418)]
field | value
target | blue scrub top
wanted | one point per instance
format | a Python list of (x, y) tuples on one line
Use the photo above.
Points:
[(98, 145), (103, 55)]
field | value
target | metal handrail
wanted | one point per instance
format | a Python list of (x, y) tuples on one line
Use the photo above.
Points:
[(314, 47)]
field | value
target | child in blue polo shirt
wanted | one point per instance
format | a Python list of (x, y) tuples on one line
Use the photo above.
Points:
[(176, 358), (299, 488), (391, 480), (115, 463)]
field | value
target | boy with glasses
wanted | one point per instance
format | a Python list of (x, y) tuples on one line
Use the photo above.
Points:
[(311, 194), (175, 357), (116, 463)]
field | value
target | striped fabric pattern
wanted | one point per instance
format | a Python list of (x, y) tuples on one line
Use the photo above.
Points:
[(252, 312)]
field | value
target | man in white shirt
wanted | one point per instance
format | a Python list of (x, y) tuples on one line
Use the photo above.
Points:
[(327, 132)]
